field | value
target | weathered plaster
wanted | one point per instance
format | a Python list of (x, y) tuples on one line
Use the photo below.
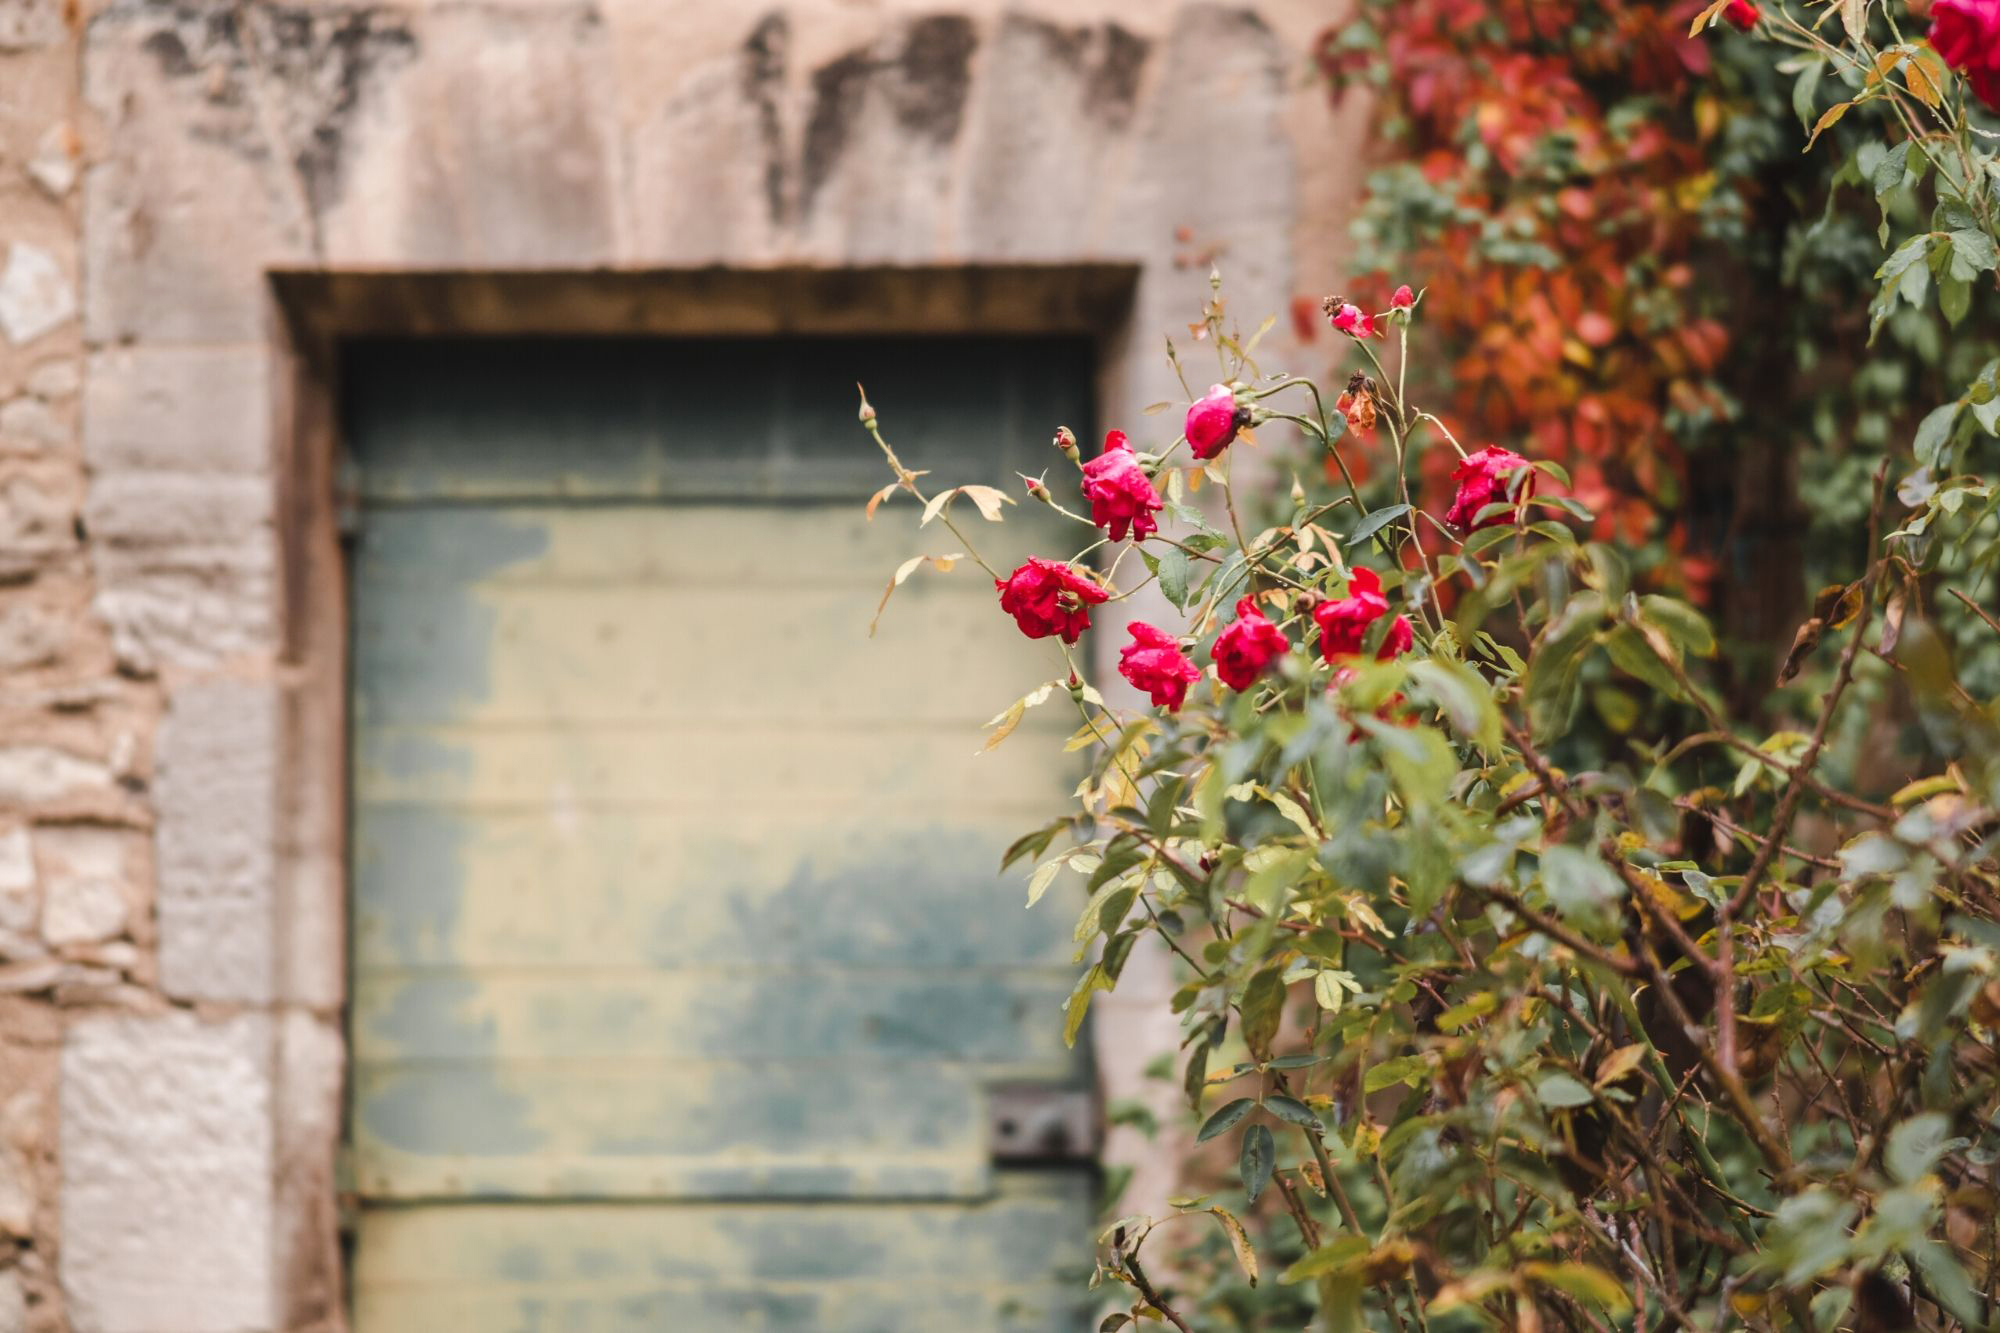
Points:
[(171, 619)]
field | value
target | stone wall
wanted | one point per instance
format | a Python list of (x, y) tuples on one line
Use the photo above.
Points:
[(170, 873)]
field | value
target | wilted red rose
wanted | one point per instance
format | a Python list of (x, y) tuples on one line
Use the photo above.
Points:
[(1403, 299), (1047, 597), (1212, 421), (1343, 623), (1482, 480), (1741, 13), (1120, 495), (1247, 646), (1154, 662), (1352, 320), (1967, 34)]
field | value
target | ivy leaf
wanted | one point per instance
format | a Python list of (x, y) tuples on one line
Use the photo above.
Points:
[(1260, 1156)]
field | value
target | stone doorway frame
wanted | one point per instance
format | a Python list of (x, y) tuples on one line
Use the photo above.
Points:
[(316, 311)]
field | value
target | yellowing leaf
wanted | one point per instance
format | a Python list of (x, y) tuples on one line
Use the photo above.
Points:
[(1239, 1240), (1620, 1063), (1582, 1281), (876, 499), (1706, 17), (1923, 789), (1854, 16), (990, 500), (1925, 75), (943, 563), (1827, 120)]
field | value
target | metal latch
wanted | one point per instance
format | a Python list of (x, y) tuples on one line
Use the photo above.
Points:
[(1042, 1122)]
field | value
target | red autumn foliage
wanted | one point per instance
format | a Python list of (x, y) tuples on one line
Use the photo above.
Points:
[(1570, 362)]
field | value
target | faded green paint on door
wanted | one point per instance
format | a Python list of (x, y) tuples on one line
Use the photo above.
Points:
[(680, 963)]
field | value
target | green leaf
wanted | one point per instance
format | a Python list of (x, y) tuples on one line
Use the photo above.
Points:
[(1974, 249), (1889, 172), (1464, 695), (1339, 1253), (1915, 1146), (1578, 882), (1680, 623), (1258, 1160), (1932, 433), (1409, 1069), (1225, 1119), (1263, 1009), (1805, 88), (1904, 255), (1375, 522), (1293, 1112), (1174, 577), (1558, 1090), (1954, 297)]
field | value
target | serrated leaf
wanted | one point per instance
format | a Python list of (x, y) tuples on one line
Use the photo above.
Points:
[(1932, 433)]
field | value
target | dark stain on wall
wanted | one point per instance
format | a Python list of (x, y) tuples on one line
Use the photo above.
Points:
[(925, 83), (313, 64), (764, 55)]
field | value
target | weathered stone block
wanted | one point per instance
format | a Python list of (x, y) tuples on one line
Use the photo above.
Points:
[(167, 1174), (198, 194), (41, 774), (13, 1304), (166, 613), (179, 409), (25, 24), (477, 137), (18, 907), (36, 296), (88, 878), (216, 841)]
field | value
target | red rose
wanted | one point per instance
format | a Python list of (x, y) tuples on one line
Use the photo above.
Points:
[(1119, 494), (1154, 662), (1351, 320), (1482, 480), (1967, 34), (1343, 624), (1247, 646), (1403, 299), (1047, 597), (1212, 421), (1742, 14)]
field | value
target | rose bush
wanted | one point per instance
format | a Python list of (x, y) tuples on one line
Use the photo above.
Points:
[(1499, 1030)]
